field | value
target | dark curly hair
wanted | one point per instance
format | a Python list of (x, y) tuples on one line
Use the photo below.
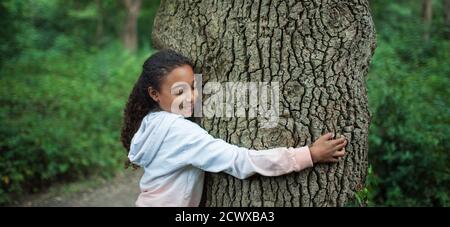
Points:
[(139, 102)]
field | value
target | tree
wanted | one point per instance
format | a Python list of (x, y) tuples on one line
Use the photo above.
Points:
[(319, 52), (427, 15), (130, 35), (99, 26), (447, 17)]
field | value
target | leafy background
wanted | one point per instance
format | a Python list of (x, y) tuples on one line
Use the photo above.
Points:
[(63, 89)]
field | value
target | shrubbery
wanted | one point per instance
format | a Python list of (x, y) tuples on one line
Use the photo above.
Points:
[(61, 115), (408, 88), (62, 95)]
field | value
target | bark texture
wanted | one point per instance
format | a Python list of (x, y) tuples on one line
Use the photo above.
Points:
[(318, 50)]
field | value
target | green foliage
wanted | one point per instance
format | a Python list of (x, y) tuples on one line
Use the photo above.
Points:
[(61, 117), (364, 197), (408, 97), (41, 24), (63, 90)]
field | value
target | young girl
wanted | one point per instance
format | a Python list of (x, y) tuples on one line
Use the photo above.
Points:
[(175, 152)]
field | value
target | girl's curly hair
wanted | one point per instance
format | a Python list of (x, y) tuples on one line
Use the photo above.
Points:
[(139, 102)]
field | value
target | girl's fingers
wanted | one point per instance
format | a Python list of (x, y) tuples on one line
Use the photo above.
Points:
[(340, 146), (338, 141), (327, 136), (340, 153)]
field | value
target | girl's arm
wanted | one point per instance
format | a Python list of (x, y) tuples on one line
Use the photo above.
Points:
[(196, 147)]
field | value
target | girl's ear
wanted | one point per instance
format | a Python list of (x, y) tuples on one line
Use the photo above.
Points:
[(154, 94)]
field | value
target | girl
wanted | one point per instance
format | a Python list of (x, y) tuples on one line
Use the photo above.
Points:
[(175, 152)]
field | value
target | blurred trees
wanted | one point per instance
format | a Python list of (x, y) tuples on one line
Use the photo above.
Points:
[(99, 29), (427, 13), (447, 17), (64, 78), (133, 8), (408, 97), (45, 24)]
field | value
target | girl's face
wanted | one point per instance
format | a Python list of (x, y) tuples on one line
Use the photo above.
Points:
[(176, 94)]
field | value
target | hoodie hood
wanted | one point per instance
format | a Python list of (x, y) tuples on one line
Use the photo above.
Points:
[(147, 140)]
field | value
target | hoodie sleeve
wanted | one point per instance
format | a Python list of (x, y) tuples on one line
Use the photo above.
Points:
[(196, 147)]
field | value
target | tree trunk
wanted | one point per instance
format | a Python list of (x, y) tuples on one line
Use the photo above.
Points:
[(447, 17), (427, 14), (99, 27), (319, 52), (130, 35)]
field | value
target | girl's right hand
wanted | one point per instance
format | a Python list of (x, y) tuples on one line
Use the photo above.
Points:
[(327, 150)]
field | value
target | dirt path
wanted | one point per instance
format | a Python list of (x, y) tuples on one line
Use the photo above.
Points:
[(122, 190)]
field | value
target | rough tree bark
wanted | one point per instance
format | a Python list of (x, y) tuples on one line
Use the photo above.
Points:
[(318, 50)]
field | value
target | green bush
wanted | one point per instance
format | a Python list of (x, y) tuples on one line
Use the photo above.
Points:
[(408, 97), (60, 115), (63, 90)]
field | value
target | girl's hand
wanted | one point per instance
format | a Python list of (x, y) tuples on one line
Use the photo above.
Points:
[(327, 150)]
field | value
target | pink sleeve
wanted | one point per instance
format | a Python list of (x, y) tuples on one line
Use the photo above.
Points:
[(303, 158), (280, 161)]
